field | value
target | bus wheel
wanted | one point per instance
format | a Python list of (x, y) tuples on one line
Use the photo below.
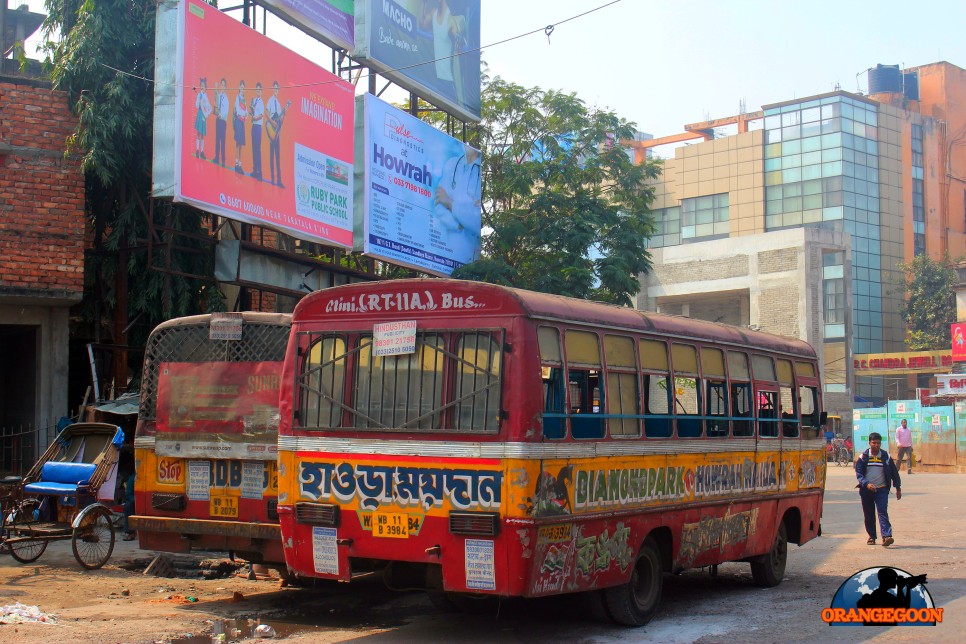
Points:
[(769, 569), (636, 602)]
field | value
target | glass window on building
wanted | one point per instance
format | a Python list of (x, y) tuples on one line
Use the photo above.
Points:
[(705, 217), (667, 228), (833, 293)]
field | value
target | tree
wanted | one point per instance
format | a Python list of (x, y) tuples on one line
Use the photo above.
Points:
[(565, 210), (102, 54), (930, 306)]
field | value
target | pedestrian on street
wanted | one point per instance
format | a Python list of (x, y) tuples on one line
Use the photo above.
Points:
[(877, 473), (904, 442)]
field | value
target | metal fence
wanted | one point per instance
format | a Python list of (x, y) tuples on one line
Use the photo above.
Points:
[(21, 445)]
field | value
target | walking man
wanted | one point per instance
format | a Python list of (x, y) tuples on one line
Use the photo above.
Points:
[(877, 473), (904, 441)]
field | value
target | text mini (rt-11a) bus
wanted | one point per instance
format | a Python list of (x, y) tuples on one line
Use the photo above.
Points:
[(470, 438), (207, 435)]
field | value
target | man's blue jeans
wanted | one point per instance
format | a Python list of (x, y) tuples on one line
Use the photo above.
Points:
[(876, 503)]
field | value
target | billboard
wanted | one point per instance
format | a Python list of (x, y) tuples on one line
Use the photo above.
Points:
[(260, 134), (431, 47), (331, 21), (224, 408), (957, 330), (419, 191)]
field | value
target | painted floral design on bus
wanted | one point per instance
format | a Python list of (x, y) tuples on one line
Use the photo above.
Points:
[(716, 532), (569, 552), (407, 486)]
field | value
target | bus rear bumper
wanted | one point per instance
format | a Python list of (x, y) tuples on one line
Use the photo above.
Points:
[(199, 527)]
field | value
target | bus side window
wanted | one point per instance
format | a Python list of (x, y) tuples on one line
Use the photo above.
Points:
[(623, 397), (768, 414), (809, 410), (687, 395), (657, 389), (584, 382), (717, 397), (715, 391), (741, 409), (657, 392), (554, 391), (789, 413), (554, 402), (586, 405)]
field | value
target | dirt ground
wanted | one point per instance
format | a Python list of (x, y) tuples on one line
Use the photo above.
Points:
[(117, 604)]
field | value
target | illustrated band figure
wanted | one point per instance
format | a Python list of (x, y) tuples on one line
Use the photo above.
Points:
[(203, 106), (221, 121), (238, 125), (276, 113), (258, 116)]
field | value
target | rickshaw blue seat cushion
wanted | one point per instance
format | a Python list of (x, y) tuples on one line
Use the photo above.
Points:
[(61, 478)]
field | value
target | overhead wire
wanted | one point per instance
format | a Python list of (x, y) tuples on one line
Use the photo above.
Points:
[(547, 30)]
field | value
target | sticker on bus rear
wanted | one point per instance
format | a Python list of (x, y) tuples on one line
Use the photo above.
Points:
[(480, 573), (199, 480), (253, 479), (325, 552)]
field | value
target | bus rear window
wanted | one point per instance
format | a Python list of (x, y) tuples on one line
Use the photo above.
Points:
[(451, 382)]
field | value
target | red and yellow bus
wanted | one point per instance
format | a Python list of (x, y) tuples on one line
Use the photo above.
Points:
[(473, 439), (206, 444)]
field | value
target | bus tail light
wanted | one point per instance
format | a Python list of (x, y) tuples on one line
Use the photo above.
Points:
[(474, 524), (323, 514), (273, 510), (168, 502)]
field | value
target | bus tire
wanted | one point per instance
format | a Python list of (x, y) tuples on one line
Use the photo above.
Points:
[(769, 569), (635, 603)]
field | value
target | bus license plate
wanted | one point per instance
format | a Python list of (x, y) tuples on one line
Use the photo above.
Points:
[(224, 506), (390, 524)]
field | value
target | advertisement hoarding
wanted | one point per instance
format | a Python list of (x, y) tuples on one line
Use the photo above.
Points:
[(331, 21), (957, 332), (229, 409), (429, 47), (419, 201), (262, 135)]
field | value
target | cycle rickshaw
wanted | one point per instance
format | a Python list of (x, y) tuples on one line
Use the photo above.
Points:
[(58, 497)]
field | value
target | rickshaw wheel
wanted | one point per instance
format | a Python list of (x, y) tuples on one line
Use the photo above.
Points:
[(93, 539), (27, 551), (22, 518)]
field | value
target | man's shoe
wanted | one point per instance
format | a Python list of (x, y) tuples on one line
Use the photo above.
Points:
[(870, 542), (130, 536), (909, 472), (888, 541)]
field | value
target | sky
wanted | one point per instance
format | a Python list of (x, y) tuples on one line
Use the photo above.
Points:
[(665, 63)]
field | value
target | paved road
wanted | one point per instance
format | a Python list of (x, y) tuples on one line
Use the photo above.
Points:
[(930, 536)]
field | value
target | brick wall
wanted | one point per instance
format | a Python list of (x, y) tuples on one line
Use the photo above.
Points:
[(41, 194), (700, 270)]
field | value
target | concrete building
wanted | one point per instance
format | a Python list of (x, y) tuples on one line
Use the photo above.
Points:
[(797, 223)]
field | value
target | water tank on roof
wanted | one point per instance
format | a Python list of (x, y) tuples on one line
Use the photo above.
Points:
[(910, 85), (885, 79)]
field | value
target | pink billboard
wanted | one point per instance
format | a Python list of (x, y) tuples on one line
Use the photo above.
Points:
[(264, 135)]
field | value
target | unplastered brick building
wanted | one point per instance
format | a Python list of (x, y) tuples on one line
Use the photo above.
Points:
[(41, 252)]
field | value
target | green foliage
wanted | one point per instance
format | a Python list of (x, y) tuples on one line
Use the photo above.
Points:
[(564, 211), (102, 54), (930, 305)]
